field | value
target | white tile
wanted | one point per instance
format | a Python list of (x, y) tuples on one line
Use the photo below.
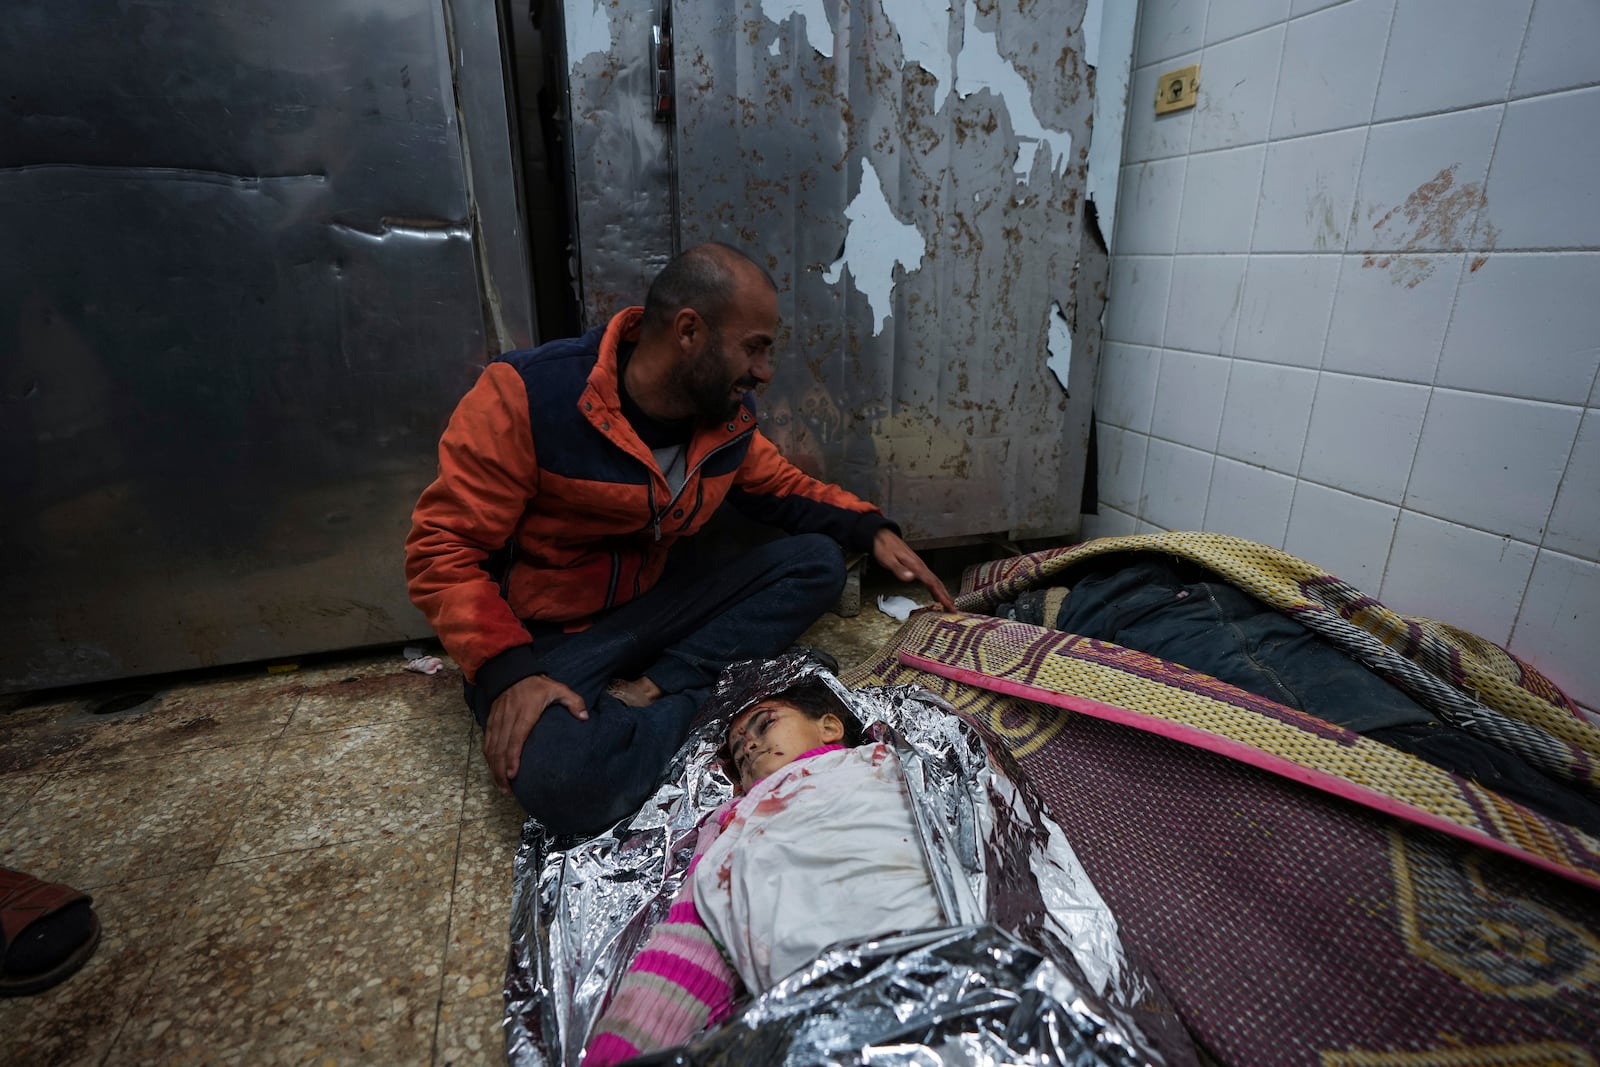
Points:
[(1147, 207), (1345, 535), (1560, 616), (1230, 18), (1177, 481), (1422, 182), (1169, 28), (1145, 527), (1447, 54), (1283, 317), (1390, 314), (1559, 52), (1249, 502), (1542, 188), (1122, 457), (1204, 306), (1267, 411), (1127, 390), (1109, 523), (1189, 398), (1219, 200), (1306, 191), (1363, 435), (1491, 462), (1304, 7), (1236, 85), (1575, 520), (1152, 136), (1136, 301), (1457, 575), (1330, 68), (1526, 325)]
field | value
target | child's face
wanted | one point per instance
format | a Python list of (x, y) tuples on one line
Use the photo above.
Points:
[(771, 734)]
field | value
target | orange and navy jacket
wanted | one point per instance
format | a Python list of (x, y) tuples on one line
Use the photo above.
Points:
[(539, 463)]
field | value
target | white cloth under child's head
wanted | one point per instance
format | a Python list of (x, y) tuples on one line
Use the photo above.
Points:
[(821, 851)]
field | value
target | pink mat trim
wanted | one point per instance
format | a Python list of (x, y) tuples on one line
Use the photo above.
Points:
[(1255, 757)]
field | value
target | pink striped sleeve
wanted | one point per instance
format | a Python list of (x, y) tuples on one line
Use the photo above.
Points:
[(677, 985)]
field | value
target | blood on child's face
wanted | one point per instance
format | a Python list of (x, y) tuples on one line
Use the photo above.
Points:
[(771, 734)]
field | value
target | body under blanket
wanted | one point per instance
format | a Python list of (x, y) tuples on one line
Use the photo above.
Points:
[(1306, 895)]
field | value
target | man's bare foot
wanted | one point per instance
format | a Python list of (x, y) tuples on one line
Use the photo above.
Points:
[(636, 693)]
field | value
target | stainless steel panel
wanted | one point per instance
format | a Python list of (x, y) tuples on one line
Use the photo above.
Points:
[(237, 302), (484, 99), (623, 190), (828, 138)]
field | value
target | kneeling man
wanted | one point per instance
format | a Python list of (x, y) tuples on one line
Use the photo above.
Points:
[(540, 553)]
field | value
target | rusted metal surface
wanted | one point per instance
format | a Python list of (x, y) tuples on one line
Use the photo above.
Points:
[(912, 173), (238, 301), (621, 157)]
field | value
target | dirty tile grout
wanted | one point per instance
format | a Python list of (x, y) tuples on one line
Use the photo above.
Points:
[(444, 949)]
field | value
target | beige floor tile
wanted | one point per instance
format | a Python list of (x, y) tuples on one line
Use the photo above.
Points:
[(15, 791), (94, 824), (471, 1032), (483, 798), (187, 718), (853, 640), (328, 955), (212, 713), (480, 912), (371, 781), (40, 737), (76, 1022), (380, 692)]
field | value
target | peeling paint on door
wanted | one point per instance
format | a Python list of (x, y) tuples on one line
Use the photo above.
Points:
[(924, 30), (1060, 334), (912, 173), (980, 66), (588, 26), (819, 33), (877, 243)]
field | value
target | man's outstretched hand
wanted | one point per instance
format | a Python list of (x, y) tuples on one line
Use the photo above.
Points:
[(512, 717), (894, 554)]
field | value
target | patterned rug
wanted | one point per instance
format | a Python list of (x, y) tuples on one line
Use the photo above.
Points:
[(1305, 895)]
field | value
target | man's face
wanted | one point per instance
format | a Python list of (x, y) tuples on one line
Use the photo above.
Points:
[(771, 734), (733, 356)]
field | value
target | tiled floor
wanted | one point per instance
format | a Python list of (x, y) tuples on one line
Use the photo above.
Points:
[(301, 867)]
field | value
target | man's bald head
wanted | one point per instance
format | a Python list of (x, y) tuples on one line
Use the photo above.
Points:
[(707, 278)]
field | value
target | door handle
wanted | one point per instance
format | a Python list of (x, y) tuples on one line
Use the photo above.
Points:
[(661, 61)]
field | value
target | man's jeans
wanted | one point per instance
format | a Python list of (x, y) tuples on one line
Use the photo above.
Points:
[(582, 776)]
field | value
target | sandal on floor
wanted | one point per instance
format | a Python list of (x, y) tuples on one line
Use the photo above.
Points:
[(47, 931)]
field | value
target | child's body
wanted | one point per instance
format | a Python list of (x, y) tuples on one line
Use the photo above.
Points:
[(823, 850), (819, 848)]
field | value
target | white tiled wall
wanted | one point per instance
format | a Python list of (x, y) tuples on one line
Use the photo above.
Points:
[(1355, 304)]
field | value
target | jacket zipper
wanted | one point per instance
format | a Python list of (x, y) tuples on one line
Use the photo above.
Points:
[(699, 501), (657, 516)]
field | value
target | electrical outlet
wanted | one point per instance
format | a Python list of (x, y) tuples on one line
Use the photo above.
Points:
[(1178, 89)]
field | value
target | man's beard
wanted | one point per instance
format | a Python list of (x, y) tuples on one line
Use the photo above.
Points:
[(705, 382)]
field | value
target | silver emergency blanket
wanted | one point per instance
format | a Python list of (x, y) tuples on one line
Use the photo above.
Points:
[(1028, 969)]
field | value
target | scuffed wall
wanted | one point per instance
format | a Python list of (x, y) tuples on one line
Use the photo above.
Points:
[(1353, 304), (621, 157), (912, 172)]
